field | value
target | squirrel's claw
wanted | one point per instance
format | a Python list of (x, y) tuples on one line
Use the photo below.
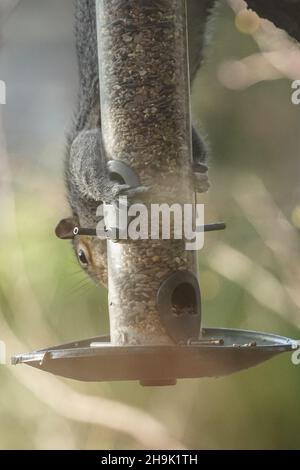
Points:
[(131, 191), (200, 177)]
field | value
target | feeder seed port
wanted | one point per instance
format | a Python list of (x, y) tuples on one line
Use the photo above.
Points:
[(179, 305)]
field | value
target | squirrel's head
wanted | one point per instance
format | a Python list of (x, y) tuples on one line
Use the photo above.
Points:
[(90, 251)]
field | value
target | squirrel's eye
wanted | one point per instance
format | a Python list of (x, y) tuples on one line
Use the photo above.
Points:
[(82, 257)]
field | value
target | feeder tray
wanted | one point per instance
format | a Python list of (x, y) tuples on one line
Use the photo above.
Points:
[(219, 352)]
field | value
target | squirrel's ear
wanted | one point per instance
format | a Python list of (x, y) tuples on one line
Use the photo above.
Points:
[(65, 227)]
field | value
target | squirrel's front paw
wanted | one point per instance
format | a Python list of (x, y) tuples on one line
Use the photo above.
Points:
[(114, 190), (131, 191), (200, 181)]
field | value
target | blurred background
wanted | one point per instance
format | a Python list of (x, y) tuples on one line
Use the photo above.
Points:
[(250, 275)]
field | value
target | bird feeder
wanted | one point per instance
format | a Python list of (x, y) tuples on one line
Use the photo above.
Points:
[(156, 333)]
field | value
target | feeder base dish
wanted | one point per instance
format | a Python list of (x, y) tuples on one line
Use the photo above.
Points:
[(96, 360)]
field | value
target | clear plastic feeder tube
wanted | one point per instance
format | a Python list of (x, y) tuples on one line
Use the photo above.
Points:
[(145, 116)]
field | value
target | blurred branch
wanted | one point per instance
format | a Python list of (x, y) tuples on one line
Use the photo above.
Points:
[(285, 14), (281, 238), (241, 74), (276, 231), (257, 281), (279, 56)]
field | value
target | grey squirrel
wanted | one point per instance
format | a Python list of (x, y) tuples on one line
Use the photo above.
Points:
[(87, 178)]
